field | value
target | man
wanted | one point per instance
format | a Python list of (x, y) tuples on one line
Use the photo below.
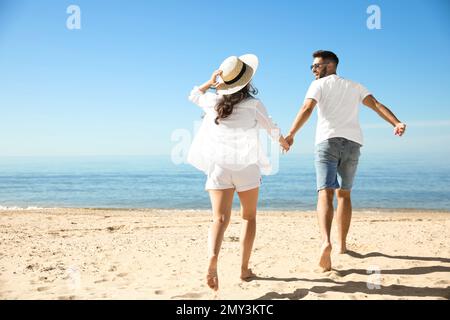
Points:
[(338, 140)]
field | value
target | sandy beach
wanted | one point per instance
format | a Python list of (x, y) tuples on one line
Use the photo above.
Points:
[(161, 254)]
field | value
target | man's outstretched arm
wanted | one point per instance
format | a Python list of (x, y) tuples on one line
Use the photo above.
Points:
[(302, 116), (385, 113)]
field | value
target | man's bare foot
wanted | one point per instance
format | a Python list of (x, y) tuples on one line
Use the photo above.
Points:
[(247, 274), (325, 257)]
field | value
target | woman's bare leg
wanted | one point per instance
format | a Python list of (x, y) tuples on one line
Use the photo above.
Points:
[(221, 201), (249, 202)]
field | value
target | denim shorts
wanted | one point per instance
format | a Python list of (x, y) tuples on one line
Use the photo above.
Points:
[(336, 160)]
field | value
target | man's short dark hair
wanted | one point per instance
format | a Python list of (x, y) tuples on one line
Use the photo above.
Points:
[(326, 55)]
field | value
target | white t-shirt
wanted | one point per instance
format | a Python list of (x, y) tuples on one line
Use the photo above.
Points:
[(235, 142), (338, 101)]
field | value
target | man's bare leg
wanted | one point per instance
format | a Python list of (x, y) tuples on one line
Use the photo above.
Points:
[(325, 216), (343, 217)]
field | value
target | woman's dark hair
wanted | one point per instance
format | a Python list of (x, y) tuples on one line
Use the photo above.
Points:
[(225, 106)]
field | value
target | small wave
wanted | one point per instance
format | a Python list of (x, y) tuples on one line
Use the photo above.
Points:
[(14, 208)]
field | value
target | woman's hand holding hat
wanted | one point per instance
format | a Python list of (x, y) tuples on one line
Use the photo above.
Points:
[(214, 78), (212, 82)]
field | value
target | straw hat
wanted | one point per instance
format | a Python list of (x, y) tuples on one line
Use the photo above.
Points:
[(237, 73)]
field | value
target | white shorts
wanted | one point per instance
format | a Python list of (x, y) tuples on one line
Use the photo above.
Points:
[(242, 180)]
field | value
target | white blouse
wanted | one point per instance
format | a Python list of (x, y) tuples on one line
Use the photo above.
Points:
[(235, 142)]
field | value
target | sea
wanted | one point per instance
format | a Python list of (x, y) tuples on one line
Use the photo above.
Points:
[(383, 181)]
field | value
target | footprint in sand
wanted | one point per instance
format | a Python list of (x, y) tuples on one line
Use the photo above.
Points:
[(120, 276), (45, 279), (47, 269), (246, 285), (318, 270), (333, 275), (190, 295), (114, 228), (40, 289), (67, 298), (101, 280), (158, 292), (32, 267)]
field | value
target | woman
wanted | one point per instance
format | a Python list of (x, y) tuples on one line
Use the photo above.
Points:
[(227, 149)]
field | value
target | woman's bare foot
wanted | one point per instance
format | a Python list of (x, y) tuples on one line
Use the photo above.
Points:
[(212, 280), (325, 257), (211, 277), (247, 274), (342, 248)]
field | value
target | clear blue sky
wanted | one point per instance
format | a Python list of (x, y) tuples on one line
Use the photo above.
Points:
[(119, 85)]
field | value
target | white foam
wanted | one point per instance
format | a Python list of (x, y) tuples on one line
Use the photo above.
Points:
[(14, 208)]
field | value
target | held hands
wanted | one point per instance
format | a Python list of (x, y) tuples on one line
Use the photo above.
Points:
[(284, 144), (399, 129), (290, 139)]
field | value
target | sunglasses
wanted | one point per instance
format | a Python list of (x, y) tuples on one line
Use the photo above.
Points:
[(316, 65)]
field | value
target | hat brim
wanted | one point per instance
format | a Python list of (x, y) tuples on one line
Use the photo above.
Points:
[(252, 65)]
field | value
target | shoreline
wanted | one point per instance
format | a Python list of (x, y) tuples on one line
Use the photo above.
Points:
[(115, 209)]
